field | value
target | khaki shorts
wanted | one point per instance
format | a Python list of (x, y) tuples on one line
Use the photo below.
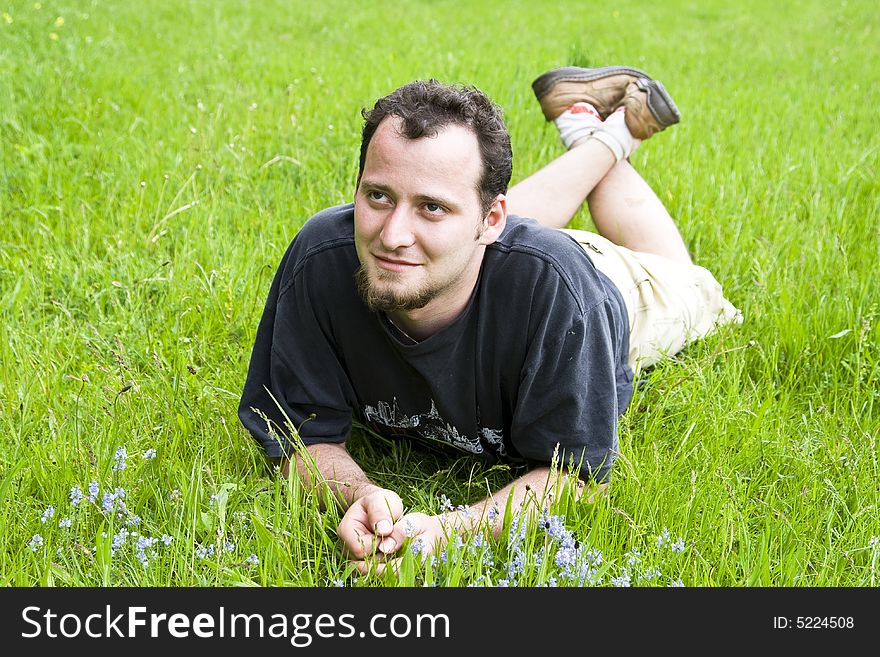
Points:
[(669, 304)]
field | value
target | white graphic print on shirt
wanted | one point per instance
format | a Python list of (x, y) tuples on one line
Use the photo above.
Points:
[(431, 425)]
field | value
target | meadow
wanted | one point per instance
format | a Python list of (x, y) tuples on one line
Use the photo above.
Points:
[(156, 159)]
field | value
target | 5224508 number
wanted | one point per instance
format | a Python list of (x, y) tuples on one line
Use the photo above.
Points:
[(824, 622)]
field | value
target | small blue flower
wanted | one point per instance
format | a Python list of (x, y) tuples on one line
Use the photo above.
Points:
[(664, 538), (445, 503), (48, 513), (623, 580), (203, 552), (36, 542), (633, 557), (145, 543), (254, 560), (517, 532), (64, 522), (119, 540), (565, 558), (651, 573), (149, 454), (76, 495), (166, 539), (418, 547), (676, 584), (119, 458), (591, 577), (516, 563), (229, 546), (114, 501), (93, 491), (554, 526), (594, 557)]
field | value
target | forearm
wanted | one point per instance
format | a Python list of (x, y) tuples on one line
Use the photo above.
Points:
[(330, 464), (532, 491)]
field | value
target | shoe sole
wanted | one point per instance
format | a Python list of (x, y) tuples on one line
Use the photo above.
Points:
[(660, 103), (543, 84)]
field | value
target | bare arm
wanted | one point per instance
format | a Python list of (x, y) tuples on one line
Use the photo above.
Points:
[(533, 491), (330, 464), (371, 511), (530, 493)]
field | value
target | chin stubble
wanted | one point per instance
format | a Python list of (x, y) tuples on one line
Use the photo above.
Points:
[(379, 300)]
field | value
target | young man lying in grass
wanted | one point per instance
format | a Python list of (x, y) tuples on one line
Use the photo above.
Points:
[(442, 305)]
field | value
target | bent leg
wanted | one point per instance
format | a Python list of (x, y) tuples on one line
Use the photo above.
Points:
[(554, 193), (627, 211), (624, 207)]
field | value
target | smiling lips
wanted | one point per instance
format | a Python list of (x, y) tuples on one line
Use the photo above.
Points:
[(393, 264)]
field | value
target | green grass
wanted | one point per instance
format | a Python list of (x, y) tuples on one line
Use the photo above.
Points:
[(157, 158)]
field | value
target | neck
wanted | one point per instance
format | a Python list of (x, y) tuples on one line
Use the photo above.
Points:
[(421, 324), (440, 312)]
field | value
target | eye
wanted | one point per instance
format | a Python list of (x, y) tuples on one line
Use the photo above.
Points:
[(433, 208), (373, 195)]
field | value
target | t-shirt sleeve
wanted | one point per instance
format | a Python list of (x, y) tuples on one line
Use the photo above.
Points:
[(568, 396), (295, 383)]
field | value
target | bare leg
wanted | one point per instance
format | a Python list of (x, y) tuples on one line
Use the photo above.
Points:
[(627, 211), (624, 208), (554, 193)]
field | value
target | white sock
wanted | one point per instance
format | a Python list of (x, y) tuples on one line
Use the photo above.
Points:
[(616, 136), (577, 123)]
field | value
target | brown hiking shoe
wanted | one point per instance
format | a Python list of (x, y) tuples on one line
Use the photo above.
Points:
[(603, 88), (649, 108)]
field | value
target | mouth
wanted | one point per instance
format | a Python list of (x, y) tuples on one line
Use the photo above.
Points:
[(393, 264)]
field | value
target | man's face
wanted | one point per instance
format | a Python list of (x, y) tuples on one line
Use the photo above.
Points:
[(418, 219)]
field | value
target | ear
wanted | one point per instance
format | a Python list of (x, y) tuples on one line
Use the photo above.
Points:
[(494, 222)]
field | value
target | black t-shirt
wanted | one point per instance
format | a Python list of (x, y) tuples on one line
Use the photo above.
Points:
[(538, 357)]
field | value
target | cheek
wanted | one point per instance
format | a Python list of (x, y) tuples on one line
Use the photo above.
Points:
[(452, 246), (366, 223)]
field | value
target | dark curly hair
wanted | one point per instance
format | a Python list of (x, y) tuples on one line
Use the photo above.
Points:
[(427, 106)]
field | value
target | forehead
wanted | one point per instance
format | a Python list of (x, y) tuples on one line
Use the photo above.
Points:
[(451, 157)]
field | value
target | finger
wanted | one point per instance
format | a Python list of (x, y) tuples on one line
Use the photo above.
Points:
[(369, 566), (375, 567), (382, 511), (394, 540), (357, 542)]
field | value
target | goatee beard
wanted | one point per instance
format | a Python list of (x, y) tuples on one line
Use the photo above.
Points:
[(379, 300)]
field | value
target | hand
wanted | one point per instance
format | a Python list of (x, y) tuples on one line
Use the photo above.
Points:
[(427, 535), (368, 525)]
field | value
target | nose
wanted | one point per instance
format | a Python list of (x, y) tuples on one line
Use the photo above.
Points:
[(397, 231)]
